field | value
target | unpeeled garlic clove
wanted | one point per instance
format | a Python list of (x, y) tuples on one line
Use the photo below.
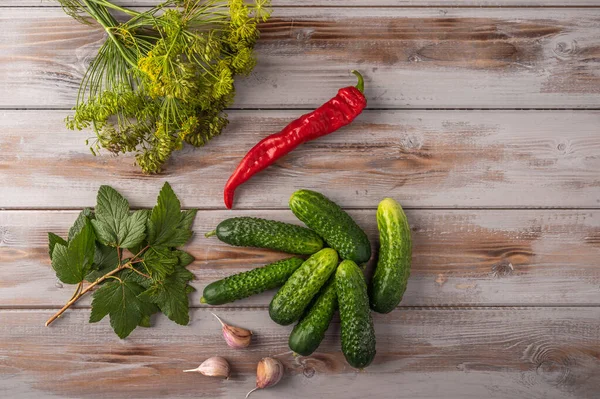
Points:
[(268, 373), (236, 337), (215, 366)]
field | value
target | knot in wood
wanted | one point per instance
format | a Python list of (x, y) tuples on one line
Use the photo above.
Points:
[(4, 236), (308, 372), (563, 147), (564, 49), (555, 372), (304, 34), (502, 269), (411, 142)]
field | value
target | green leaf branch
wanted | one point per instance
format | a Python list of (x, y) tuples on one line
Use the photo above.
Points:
[(131, 290), (79, 292)]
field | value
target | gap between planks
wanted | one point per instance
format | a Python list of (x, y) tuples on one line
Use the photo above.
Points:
[(457, 109), (504, 4), (373, 208), (213, 308)]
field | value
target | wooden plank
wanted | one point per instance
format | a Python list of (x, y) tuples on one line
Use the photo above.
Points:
[(354, 3), (422, 158), (430, 353), (411, 57), (461, 257)]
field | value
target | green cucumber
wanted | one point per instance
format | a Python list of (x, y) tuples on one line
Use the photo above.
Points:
[(336, 227), (310, 330), (292, 299), (393, 267), (243, 285), (357, 331), (263, 233)]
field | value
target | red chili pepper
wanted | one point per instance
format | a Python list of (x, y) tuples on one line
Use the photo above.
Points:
[(329, 117)]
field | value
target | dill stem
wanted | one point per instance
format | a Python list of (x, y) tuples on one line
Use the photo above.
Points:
[(95, 12), (116, 7)]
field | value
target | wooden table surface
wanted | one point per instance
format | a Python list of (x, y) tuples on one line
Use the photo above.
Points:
[(483, 121)]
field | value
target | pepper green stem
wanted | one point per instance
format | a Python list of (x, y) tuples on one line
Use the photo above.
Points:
[(210, 233), (361, 82)]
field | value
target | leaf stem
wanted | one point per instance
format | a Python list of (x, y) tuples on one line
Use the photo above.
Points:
[(77, 290), (80, 293), (138, 272), (139, 254), (116, 278)]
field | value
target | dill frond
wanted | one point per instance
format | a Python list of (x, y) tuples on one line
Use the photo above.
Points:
[(163, 77)]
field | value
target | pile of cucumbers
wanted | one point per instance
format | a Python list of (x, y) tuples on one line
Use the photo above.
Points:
[(313, 289)]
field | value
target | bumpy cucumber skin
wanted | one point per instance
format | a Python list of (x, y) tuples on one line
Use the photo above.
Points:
[(310, 330), (293, 298), (245, 284), (336, 227), (358, 334), (393, 267), (263, 233)]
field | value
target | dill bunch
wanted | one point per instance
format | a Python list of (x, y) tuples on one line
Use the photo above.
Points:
[(163, 77)]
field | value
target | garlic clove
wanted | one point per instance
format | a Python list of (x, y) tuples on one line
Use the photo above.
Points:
[(215, 366), (268, 373), (235, 337)]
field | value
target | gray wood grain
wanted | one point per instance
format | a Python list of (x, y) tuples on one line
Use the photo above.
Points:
[(455, 334), (537, 353), (421, 158), (460, 257), (411, 57)]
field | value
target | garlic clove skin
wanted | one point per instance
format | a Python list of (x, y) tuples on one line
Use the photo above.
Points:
[(235, 337), (268, 373), (215, 366)]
